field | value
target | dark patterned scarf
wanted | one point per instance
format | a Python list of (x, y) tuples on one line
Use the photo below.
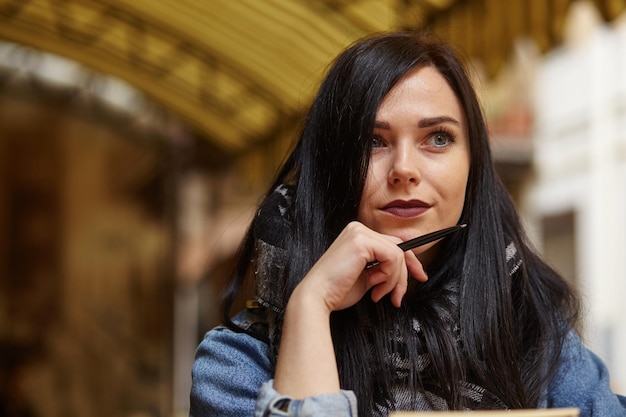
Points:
[(270, 226)]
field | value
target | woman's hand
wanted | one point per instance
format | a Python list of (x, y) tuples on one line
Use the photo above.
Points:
[(306, 363), (340, 277)]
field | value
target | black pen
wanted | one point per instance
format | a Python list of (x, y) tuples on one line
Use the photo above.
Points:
[(422, 240)]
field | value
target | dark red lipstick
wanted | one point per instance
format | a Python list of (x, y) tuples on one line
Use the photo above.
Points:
[(406, 208)]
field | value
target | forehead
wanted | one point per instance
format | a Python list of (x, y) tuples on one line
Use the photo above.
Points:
[(426, 91)]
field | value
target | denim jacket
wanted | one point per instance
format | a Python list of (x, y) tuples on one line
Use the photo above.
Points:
[(232, 377)]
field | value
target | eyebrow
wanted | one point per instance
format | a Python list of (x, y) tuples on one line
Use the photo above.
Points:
[(426, 122), (433, 121)]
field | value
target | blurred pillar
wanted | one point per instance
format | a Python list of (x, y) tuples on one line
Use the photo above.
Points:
[(191, 197)]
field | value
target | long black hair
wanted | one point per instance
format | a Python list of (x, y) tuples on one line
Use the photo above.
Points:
[(507, 326)]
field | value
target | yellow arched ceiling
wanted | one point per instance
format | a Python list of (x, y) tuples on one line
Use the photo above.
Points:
[(239, 70)]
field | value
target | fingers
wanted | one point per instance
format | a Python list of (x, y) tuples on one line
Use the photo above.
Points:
[(391, 277), (415, 267), (396, 288), (339, 277), (398, 292)]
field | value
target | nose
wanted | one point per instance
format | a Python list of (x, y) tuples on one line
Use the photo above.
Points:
[(404, 167)]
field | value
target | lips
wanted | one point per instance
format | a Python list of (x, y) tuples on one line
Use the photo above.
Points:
[(402, 208)]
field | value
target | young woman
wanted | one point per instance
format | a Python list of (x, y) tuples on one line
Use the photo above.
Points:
[(395, 146)]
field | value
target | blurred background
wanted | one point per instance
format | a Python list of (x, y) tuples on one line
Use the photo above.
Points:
[(137, 136)]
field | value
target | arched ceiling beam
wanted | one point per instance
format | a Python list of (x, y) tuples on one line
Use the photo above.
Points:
[(236, 70)]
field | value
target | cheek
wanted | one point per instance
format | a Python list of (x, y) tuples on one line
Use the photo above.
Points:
[(451, 183), (370, 191), (373, 181), (365, 208), (365, 199), (456, 192)]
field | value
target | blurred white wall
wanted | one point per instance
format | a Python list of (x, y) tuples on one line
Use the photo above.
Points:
[(580, 170)]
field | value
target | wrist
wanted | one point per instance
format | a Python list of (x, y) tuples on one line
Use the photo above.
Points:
[(306, 366), (306, 300)]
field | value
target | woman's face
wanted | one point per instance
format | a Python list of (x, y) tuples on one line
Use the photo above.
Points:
[(420, 160)]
